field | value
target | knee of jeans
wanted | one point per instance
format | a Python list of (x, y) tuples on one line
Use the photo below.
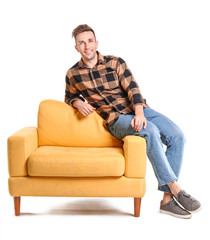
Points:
[(179, 137), (152, 131)]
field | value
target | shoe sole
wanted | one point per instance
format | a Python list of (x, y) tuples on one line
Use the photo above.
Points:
[(195, 211), (176, 215)]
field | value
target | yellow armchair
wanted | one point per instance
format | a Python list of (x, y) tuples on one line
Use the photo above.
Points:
[(69, 155)]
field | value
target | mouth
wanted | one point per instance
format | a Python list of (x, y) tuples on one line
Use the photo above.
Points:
[(88, 52)]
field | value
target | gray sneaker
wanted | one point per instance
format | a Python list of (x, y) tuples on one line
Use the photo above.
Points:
[(173, 208), (188, 202)]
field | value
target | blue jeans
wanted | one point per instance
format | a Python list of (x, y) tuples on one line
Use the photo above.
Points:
[(160, 130)]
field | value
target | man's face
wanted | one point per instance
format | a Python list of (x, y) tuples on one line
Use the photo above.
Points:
[(86, 45)]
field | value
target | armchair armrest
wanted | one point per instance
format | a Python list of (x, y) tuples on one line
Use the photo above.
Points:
[(135, 156), (19, 146)]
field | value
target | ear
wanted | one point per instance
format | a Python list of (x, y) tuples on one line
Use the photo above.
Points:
[(76, 48), (96, 44)]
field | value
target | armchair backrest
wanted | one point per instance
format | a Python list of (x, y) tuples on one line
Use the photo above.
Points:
[(61, 125)]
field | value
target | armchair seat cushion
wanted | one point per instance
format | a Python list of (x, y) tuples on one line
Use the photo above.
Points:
[(58, 161)]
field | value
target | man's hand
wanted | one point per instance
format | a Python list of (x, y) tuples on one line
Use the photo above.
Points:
[(139, 120), (83, 107)]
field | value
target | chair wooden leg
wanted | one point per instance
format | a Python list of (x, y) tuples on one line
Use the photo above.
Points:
[(137, 206), (17, 206)]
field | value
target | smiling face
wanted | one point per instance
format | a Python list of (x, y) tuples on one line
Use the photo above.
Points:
[(87, 45)]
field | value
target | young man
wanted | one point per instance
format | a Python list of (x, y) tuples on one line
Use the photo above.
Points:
[(108, 86)]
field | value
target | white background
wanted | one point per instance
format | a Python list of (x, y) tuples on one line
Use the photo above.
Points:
[(166, 46)]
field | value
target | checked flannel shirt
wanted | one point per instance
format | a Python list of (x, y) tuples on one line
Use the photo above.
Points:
[(109, 87)]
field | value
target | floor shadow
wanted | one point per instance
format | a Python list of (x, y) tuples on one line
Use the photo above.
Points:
[(83, 207)]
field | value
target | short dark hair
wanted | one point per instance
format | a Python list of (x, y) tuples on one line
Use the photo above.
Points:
[(82, 28)]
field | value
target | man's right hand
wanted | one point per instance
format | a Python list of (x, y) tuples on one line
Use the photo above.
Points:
[(83, 107)]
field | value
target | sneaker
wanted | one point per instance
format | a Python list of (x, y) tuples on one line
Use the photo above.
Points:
[(174, 209), (188, 202)]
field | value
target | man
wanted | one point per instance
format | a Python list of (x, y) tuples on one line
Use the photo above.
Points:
[(108, 86)]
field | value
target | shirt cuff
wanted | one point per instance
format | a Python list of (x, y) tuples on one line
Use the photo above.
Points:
[(76, 98)]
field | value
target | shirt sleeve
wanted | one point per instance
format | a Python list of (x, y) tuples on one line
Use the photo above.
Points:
[(129, 84), (71, 93)]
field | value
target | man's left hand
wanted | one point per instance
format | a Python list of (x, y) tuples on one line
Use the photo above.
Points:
[(138, 122)]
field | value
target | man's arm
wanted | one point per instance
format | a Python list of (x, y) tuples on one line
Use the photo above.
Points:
[(139, 120), (71, 93), (130, 86), (73, 98)]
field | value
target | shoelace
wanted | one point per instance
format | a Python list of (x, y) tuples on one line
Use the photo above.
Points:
[(187, 195)]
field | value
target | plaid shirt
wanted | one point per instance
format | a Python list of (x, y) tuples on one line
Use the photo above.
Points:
[(109, 87)]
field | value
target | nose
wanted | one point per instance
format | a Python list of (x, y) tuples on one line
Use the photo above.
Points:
[(86, 45)]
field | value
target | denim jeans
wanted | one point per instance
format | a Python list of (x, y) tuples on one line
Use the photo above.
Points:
[(160, 130)]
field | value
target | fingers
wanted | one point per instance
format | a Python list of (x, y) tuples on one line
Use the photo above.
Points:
[(137, 124), (132, 123), (145, 123), (87, 109)]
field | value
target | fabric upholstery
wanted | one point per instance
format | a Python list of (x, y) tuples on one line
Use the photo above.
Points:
[(77, 187), (61, 125), (76, 162), (135, 156), (71, 155), (20, 145)]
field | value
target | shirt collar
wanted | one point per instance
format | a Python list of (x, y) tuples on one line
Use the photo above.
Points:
[(100, 61)]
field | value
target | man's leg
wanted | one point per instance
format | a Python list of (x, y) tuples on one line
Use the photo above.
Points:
[(173, 138), (155, 151), (162, 168)]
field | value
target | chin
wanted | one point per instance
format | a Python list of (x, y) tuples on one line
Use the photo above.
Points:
[(90, 57)]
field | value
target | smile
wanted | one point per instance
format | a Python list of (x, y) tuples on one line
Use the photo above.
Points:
[(88, 52)]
